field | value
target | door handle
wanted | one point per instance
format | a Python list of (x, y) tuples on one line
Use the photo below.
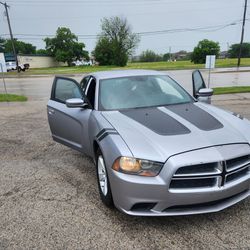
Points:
[(51, 111)]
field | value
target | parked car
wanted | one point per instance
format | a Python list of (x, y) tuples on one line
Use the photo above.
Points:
[(81, 63), (158, 151)]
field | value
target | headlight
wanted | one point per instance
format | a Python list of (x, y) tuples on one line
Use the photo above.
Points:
[(135, 166)]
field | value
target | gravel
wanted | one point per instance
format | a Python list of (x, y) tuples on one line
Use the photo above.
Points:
[(49, 197)]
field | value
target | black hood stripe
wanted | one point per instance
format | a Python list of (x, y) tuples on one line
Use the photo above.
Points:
[(106, 134), (196, 116), (156, 120), (105, 130)]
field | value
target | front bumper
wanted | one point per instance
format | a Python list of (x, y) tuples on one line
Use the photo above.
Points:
[(153, 196)]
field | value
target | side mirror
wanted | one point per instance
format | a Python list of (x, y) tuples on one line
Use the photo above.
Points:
[(76, 103), (204, 95)]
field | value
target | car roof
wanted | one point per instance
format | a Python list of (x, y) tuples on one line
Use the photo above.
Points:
[(123, 73)]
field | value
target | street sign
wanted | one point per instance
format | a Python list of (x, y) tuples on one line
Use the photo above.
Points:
[(2, 63), (210, 62), (3, 69)]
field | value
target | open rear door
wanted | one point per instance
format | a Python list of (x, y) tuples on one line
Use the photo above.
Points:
[(198, 83)]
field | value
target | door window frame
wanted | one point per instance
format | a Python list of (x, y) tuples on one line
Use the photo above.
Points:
[(81, 83), (53, 91), (89, 81), (87, 88)]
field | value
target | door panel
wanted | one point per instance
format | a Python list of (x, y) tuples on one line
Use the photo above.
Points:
[(68, 125)]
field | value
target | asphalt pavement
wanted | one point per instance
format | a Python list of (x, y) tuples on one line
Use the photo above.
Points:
[(49, 197), (38, 87)]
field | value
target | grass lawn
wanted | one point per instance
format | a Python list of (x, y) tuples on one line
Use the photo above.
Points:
[(220, 63), (12, 98), (231, 90)]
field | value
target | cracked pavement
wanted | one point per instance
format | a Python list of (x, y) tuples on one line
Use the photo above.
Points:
[(49, 197)]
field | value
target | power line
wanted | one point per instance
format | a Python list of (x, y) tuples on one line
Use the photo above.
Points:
[(27, 19), (104, 1), (130, 2), (202, 29), (144, 33)]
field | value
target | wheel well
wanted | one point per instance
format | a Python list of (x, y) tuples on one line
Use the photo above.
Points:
[(95, 148)]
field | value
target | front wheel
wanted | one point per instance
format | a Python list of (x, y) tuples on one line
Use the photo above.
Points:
[(103, 180)]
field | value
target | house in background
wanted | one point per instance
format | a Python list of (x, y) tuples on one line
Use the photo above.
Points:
[(181, 55), (223, 55)]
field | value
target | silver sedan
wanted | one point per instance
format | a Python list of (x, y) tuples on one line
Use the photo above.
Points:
[(158, 151)]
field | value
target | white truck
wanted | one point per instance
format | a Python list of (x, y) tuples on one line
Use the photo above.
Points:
[(12, 66)]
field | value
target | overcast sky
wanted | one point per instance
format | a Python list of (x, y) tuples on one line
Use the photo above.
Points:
[(34, 19)]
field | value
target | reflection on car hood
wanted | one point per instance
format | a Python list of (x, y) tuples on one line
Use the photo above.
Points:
[(158, 133)]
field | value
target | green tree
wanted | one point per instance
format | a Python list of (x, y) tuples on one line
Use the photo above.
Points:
[(103, 52), (20, 46), (150, 56), (65, 46), (42, 52), (116, 42), (205, 47), (166, 57), (235, 49)]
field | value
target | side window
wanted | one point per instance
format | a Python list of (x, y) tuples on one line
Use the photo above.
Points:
[(66, 89), (90, 91), (84, 83)]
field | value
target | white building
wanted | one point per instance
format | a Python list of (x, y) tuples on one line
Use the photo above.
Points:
[(39, 61)]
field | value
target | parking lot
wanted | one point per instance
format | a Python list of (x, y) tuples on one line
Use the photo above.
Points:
[(49, 197)]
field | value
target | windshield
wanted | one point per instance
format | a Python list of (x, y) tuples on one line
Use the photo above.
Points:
[(140, 92)]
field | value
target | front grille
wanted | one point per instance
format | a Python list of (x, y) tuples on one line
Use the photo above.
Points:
[(205, 204), (208, 168), (238, 174), (238, 162), (192, 183), (209, 175)]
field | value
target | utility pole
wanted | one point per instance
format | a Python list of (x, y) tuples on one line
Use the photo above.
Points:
[(242, 32), (11, 35), (170, 57)]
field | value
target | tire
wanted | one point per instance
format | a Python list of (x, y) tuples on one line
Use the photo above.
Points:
[(103, 185)]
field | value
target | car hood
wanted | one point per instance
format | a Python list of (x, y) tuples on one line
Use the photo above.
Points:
[(161, 132)]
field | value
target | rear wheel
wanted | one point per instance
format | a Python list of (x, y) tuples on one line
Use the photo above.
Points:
[(103, 180)]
